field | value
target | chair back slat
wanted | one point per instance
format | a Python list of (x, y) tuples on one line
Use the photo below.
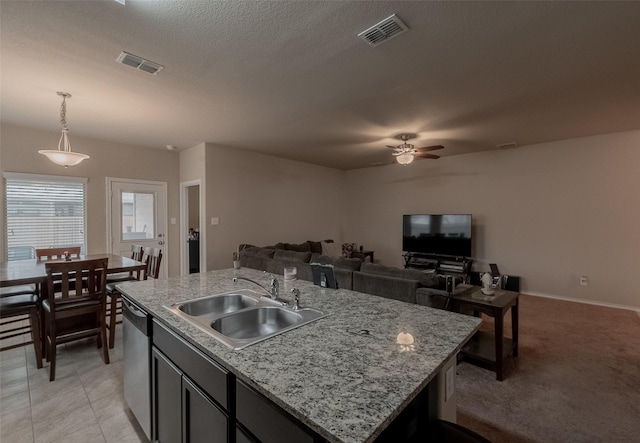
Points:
[(44, 254), (137, 252)]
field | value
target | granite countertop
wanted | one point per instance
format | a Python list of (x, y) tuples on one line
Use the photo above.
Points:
[(345, 376)]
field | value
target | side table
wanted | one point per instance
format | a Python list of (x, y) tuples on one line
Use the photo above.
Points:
[(362, 255), (486, 349)]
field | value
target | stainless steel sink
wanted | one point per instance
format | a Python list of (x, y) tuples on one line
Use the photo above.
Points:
[(217, 305), (241, 318)]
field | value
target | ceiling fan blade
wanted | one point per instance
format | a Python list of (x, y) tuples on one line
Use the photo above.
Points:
[(392, 147), (425, 155), (430, 148)]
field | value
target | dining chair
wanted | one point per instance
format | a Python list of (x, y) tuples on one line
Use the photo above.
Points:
[(16, 302), (152, 257), (44, 254), (76, 311), (114, 302)]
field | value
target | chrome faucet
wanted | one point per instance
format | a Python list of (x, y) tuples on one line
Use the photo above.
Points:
[(296, 299), (273, 291)]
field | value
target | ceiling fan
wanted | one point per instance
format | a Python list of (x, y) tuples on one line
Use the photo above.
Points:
[(406, 152)]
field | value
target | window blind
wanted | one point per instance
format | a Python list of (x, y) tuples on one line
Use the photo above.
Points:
[(42, 212)]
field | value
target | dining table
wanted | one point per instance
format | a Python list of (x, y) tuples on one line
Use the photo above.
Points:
[(32, 271)]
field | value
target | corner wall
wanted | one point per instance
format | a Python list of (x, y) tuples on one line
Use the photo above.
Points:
[(262, 200), (548, 213)]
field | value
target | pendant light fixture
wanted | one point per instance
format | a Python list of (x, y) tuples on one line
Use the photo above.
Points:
[(63, 155)]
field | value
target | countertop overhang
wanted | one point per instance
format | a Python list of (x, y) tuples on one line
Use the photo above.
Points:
[(346, 376)]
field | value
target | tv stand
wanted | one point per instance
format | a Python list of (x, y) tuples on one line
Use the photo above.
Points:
[(441, 264)]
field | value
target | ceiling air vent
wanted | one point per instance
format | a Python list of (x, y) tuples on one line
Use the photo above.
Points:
[(383, 31), (139, 63)]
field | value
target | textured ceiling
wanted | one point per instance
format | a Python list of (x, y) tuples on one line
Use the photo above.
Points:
[(292, 79)]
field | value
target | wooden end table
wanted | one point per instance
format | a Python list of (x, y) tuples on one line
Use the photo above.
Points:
[(486, 349), (362, 255)]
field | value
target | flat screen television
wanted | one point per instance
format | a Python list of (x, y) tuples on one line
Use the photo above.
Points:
[(439, 234)]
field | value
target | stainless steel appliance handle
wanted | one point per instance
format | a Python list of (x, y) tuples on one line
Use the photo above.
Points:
[(135, 311)]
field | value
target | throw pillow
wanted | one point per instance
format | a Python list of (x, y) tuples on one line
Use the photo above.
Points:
[(315, 246), (331, 249), (347, 249)]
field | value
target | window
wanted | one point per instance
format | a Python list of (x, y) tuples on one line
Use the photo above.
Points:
[(44, 211), (138, 211)]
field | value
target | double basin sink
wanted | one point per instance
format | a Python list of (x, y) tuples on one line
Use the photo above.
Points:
[(243, 317)]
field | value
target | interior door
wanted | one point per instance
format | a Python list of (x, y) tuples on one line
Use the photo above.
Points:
[(138, 216)]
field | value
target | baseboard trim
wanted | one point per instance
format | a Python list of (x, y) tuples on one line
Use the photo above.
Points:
[(588, 302)]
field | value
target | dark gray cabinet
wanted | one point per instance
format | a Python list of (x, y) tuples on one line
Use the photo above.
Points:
[(167, 388), (202, 420), (189, 398), (267, 422), (196, 400)]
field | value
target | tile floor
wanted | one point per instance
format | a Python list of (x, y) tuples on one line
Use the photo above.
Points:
[(85, 403)]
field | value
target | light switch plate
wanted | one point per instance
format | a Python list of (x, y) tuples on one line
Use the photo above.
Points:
[(215, 221)]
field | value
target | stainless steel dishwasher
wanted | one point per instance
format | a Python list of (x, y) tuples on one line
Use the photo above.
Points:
[(137, 363)]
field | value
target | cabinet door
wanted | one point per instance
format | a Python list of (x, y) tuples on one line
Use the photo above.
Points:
[(241, 437), (265, 420), (167, 389), (202, 420)]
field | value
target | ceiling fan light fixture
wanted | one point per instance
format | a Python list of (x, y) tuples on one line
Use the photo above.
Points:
[(63, 156), (405, 158)]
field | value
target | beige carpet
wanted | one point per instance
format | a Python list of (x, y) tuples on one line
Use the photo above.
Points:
[(577, 378)]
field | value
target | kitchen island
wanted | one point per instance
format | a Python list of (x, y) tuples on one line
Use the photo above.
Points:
[(347, 377)]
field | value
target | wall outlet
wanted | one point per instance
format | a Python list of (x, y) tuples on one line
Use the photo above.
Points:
[(584, 280)]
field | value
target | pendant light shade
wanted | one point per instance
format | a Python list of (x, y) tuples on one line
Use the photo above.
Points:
[(63, 156)]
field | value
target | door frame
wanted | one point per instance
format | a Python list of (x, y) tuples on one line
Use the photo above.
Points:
[(165, 253), (184, 223)]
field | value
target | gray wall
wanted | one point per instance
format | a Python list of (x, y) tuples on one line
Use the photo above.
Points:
[(549, 213)]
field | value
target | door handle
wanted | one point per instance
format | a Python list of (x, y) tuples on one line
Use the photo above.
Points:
[(161, 242)]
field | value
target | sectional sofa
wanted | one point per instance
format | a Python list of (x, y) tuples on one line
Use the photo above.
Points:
[(408, 285)]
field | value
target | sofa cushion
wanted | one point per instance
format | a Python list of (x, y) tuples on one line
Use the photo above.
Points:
[(401, 289), (425, 279), (292, 256), (352, 264), (259, 252), (302, 247)]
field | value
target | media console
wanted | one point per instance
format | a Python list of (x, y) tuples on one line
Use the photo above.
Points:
[(441, 264)]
